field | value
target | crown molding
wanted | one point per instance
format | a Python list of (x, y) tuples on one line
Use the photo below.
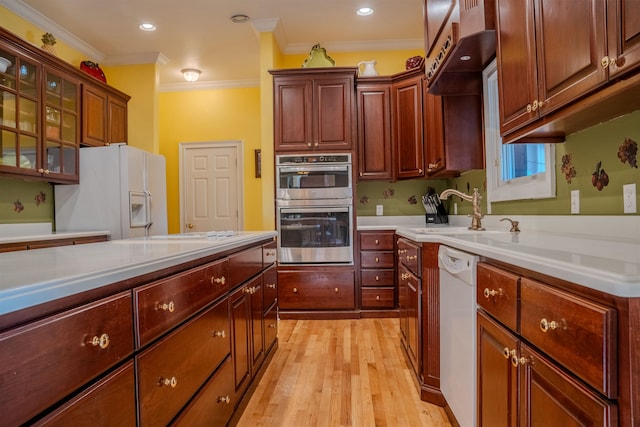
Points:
[(47, 25), (203, 85), (370, 45)]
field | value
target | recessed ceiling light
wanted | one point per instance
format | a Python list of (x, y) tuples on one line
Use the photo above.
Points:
[(365, 11), (465, 58), (146, 26), (239, 19)]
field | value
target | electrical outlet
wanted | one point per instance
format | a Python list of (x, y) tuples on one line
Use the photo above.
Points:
[(379, 210), (575, 201), (629, 198)]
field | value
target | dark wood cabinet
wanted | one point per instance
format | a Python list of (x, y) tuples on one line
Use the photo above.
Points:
[(65, 352), (623, 35), (548, 54), (104, 115), (375, 144), (453, 134), (60, 109), (377, 270), (555, 366), (314, 109), (408, 130), (52, 243)]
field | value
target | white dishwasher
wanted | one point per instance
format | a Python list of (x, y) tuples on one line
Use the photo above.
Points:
[(458, 332)]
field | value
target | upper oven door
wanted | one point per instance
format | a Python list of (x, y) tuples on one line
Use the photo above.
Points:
[(324, 181)]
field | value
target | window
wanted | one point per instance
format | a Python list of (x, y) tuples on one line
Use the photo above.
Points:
[(514, 171)]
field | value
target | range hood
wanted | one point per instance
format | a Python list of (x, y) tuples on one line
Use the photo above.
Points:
[(465, 46)]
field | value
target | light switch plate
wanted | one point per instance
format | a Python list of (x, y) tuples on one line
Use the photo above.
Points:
[(629, 198), (575, 201), (379, 210)]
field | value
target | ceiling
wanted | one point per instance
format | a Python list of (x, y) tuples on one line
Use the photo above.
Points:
[(199, 33)]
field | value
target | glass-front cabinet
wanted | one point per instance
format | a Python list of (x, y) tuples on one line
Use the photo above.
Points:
[(39, 119)]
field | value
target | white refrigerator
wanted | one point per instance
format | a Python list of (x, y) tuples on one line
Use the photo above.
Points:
[(122, 189)]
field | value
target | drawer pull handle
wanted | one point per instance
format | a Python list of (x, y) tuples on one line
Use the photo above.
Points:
[(508, 353), (252, 290), (377, 259), (172, 382), (377, 278), (377, 297), (224, 399), (492, 293), (295, 290), (545, 325), (271, 285), (102, 341), (412, 257), (272, 325), (515, 360), (335, 289), (170, 307), (404, 276), (221, 334), (377, 242), (219, 280)]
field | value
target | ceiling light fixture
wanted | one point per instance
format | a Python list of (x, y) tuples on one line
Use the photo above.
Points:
[(146, 26), (239, 19), (365, 11), (191, 74), (465, 58)]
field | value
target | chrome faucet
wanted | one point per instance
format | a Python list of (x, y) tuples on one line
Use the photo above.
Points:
[(477, 214)]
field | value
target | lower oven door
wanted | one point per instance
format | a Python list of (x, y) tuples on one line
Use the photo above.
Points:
[(315, 234)]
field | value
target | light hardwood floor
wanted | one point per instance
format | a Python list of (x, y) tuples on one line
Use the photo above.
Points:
[(330, 373)]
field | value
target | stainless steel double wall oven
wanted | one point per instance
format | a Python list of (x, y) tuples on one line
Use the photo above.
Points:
[(314, 208)]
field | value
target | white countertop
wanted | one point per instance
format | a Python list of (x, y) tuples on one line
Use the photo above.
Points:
[(588, 254), (29, 278)]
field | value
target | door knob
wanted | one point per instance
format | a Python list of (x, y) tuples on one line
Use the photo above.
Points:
[(189, 225)]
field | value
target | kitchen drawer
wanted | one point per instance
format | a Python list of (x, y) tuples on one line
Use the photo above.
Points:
[(270, 328), (42, 362), (316, 290), (376, 240), (269, 253), (410, 255), (373, 278), (497, 294), (214, 404), (164, 304), (109, 402), (173, 369), (577, 333), (270, 278), (378, 297), (244, 265), (376, 259)]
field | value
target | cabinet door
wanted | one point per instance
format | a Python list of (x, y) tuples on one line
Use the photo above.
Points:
[(549, 397), (61, 136), (257, 323), (434, 134), (409, 286), (497, 377), (374, 131), (571, 43), (516, 63), (623, 27), (408, 127), (333, 113), (240, 302), (94, 116), (117, 120), (293, 111)]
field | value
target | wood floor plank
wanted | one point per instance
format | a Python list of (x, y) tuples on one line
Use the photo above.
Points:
[(335, 373)]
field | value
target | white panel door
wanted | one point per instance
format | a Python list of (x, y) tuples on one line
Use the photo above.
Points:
[(212, 188)]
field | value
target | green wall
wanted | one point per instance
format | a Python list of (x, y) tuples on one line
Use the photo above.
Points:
[(586, 148), (25, 201)]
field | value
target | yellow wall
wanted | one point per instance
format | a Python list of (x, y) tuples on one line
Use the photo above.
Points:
[(387, 61), (207, 116), (140, 82)]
